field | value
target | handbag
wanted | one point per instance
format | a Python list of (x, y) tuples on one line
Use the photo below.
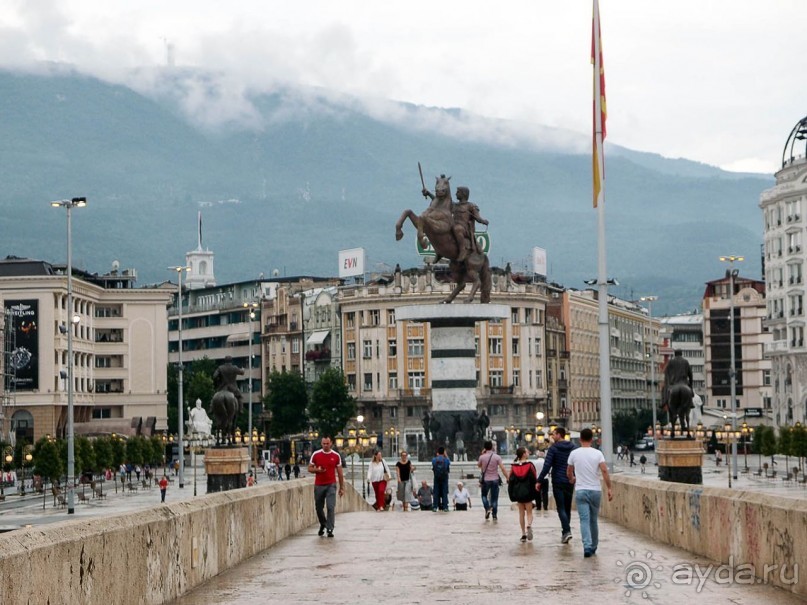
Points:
[(387, 476), (482, 476)]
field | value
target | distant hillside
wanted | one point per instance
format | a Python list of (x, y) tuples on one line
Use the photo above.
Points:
[(306, 181)]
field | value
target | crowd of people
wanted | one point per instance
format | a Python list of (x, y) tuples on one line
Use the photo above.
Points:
[(576, 472)]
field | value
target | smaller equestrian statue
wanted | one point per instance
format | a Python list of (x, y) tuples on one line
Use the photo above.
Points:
[(226, 403), (678, 393), (449, 228)]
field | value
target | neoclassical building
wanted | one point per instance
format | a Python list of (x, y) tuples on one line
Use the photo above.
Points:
[(783, 209)]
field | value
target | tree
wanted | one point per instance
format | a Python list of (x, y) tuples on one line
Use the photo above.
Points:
[(84, 456), (118, 451), (331, 404), (47, 460), (286, 400), (200, 386), (134, 450), (155, 451), (103, 454), (194, 386), (626, 427), (767, 442)]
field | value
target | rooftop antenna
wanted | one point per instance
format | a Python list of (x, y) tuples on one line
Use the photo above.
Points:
[(199, 220)]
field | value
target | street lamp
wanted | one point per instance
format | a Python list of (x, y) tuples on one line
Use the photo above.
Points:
[(251, 307), (596, 431), (748, 435), (8, 457), (180, 397), (650, 300), (732, 273), (26, 457), (195, 441), (76, 202), (729, 437)]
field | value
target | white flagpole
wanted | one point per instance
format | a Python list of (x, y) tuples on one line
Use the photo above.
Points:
[(602, 273)]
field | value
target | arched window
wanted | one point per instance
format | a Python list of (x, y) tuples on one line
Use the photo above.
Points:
[(22, 424)]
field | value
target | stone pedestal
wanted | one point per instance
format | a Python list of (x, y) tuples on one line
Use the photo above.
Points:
[(454, 421), (680, 460), (226, 468)]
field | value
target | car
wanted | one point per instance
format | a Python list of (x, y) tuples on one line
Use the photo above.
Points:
[(646, 443)]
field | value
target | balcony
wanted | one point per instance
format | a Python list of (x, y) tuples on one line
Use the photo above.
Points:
[(318, 355), (564, 354), (500, 390), (414, 393), (551, 352), (563, 384)]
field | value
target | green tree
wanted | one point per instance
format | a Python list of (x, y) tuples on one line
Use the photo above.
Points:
[(118, 445), (286, 400), (134, 450), (625, 427), (331, 404), (103, 453), (768, 442), (193, 387), (200, 386), (84, 456), (47, 461), (799, 444), (155, 451)]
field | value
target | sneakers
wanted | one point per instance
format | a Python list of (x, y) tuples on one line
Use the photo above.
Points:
[(330, 533), (487, 514), (529, 533), (523, 537), (321, 531), (588, 553), (567, 537), (495, 517)]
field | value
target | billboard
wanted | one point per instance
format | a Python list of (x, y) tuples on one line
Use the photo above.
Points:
[(25, 356), (482, 240), (351, 262), (539, 261)]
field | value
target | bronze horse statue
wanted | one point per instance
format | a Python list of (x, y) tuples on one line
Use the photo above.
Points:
[(435, 225), (679, 403), (225, 409)]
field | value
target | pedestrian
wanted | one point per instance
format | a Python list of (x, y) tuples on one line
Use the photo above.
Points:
[(287, 470), (163, 487), (582, 467), (326, 465), (461, 497), (424, 495), (619, 452), (643, 461), (541, 494), (441, 466), (296, 470), (562, 489), (404, 469), (521, 486), (137, 471), (377, 476), (250, 480), (489, 481), (718, 457), (632, 460)]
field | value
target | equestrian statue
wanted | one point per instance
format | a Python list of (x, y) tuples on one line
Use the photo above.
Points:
[(226, 403), (449, 228), (678, 393)]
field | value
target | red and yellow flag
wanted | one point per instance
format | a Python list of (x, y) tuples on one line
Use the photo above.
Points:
[(599, 113)]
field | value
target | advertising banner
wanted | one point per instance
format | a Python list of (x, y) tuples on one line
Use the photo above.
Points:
[(25, 356), (539, 261), (351, 262)]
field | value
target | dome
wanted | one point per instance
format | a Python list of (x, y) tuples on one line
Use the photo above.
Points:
[(796, 142)]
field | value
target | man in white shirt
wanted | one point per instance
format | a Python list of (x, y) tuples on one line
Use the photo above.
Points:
[(582, 467), (461, 497)]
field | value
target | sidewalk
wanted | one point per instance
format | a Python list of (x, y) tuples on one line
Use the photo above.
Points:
[(458, 557)]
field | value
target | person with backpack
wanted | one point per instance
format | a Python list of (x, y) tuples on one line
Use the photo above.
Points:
[(643, 461), (521, 489), (440, 467)]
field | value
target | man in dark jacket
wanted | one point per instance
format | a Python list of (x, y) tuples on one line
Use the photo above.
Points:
[(562, 490)]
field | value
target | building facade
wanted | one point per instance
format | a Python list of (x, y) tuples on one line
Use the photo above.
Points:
[(119, 353)]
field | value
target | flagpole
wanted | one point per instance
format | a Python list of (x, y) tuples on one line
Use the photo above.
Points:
[(607, 446)]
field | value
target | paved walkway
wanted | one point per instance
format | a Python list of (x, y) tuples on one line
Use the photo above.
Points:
[(458, 557)]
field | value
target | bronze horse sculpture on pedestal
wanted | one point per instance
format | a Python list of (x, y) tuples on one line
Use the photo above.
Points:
[(436, 225), (679, 404), (225, 409)]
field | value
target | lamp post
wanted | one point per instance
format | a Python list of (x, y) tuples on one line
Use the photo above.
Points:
[(729, 437), (748, 434), (195, 441), (26, 457), (180, 378), (650, 300), (8, 458), (251, 307), (76, 202), (731, 274), (597, 431)]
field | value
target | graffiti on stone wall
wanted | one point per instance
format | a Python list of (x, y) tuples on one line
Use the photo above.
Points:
[(695, 508)]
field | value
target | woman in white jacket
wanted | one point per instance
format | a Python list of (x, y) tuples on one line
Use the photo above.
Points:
[(377, 476)]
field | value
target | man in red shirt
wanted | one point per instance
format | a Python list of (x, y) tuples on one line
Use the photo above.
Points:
[(325, 465), (163, 488)]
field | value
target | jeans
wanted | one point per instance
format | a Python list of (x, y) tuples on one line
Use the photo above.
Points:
[(542, 498), (325, 495), (588, 507), (490, 496), (441, 493), (563, 493)]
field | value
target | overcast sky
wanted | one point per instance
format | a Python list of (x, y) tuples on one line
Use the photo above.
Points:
[(718, 81)]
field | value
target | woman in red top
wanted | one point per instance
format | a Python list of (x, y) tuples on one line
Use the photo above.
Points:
[(521, 489)]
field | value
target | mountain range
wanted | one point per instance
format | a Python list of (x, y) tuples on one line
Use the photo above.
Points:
[(286, 178)]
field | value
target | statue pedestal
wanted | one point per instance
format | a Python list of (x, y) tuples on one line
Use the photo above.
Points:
[(680, 460), (226, 468), (452, 371)]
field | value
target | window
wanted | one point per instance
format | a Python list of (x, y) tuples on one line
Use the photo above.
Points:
[(367, 349), (375, 317), (351, 350), (516, 378), (537, 345), (295, 345), (415, 347), (514, 315), (393, 412), (527, 316), (495, 346), (393, 348), (515, 347), (350, 319), (766, 377), (539, 381), (476, 345), (351, 382), (393, 380), (98, 413), (416, 380), (495, 378), (391, 316), (368, 381), (378, 412)]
